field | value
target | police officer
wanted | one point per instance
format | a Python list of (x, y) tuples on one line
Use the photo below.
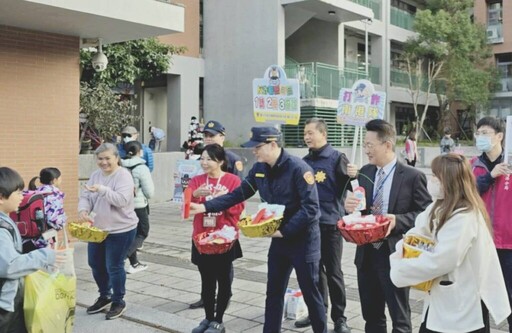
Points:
[(286, 180), (214, 132), (330, 168)]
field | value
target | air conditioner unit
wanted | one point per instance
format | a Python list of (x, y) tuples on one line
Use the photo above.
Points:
[(492, 32)]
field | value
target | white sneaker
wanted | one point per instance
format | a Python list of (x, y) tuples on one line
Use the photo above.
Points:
[(138, 267)]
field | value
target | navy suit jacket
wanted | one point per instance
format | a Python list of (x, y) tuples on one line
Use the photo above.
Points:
[(408, 197)]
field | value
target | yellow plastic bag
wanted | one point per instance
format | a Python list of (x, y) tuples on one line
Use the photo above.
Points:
[(49, 303)]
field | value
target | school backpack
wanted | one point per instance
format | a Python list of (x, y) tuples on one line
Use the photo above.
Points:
[(30, 217)]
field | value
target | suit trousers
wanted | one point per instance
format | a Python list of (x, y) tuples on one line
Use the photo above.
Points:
[(280, 266), (376, 290), (331, 276)]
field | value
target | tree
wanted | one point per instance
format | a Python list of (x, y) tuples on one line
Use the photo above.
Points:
[(103, 112), (129, 61), (452, 54)]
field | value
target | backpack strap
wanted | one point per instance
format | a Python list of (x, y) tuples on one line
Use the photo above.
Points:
[(134, 166), (9, 228)]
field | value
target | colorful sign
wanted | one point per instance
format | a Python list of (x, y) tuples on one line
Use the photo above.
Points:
[(185, 171), (276, 99), (360, 104)]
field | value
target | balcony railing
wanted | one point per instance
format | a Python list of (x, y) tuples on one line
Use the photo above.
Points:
[(318, 80), (400, 78), (402, 18), (373, 5)]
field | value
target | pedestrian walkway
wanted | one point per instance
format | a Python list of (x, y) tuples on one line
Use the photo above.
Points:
[(159, 296)]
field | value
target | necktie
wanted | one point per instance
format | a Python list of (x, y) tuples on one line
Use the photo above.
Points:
[(378, 201)]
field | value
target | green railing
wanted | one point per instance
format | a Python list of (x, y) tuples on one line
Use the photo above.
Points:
[(400, 78), (402, 19), (318, 80), (373, 5)]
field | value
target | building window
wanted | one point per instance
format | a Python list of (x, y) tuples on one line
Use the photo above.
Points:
[(504, 65), (494, 22)]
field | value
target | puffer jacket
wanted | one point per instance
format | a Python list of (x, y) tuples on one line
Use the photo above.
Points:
[(144, 186)]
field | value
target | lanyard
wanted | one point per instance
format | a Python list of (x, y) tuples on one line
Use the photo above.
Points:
[(383, 182), (213, 187)]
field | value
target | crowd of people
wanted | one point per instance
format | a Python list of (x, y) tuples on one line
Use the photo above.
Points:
[(462, 208)]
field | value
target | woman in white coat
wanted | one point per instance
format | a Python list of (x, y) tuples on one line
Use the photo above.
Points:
[(468, 283)]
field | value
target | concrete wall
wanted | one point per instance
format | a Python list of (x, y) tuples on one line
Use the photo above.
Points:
[(165, 164), (39, 96), (241, 40), (315, 41)]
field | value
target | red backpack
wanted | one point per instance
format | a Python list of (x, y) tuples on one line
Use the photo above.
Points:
[(30, 217)]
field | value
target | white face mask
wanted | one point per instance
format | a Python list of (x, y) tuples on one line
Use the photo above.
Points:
[(128, 139), (435, 189)]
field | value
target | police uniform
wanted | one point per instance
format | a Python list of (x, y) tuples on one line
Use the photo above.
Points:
[(330, 171), (290, 182), (235, 165)]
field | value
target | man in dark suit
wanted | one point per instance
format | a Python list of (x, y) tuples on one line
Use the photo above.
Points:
[(400, 193)]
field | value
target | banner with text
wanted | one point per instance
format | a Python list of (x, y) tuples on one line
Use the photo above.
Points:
[(276, 98), (360, 104)]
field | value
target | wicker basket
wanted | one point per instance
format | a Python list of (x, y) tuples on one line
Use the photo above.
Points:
[(411, 251), (87, 233), (262, 229), (211, 248), (364, 232)]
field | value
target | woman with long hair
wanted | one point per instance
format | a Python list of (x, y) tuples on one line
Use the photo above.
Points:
[(411, 149), (467, 279), (215, 269)]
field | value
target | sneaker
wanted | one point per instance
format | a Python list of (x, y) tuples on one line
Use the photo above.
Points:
[(216, 327), (140, 247), (197, 305), (137, 267), (101, 304), (203, 326), (116, 310), (303, 322), (340, 326)]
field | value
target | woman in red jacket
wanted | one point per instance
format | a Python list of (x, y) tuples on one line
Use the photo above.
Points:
[(216, 268)]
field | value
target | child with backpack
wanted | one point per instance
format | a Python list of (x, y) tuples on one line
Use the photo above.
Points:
[(144, 189), (13, 264), (53, 204)]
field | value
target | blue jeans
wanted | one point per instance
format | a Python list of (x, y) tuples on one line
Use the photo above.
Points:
[(505, 256), (106, 260)]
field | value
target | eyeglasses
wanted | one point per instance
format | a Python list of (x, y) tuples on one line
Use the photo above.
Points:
[(370, 146), (126, 135), (484, 133), (260, 145)]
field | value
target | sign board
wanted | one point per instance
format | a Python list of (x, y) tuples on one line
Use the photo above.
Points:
[(276, 99), (185, 170), (359, 105)]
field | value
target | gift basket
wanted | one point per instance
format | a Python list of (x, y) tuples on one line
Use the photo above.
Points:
[(264, 223), (86, 232), (363, 229), (414, 245), (216, 242)]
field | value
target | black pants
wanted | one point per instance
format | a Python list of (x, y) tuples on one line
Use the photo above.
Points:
[(376, 291), (215, 273), (331, 276), (142, 234), (411, 163), (485, 329), (13, 322)]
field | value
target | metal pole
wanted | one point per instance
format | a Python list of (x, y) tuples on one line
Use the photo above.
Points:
[(366, 48)]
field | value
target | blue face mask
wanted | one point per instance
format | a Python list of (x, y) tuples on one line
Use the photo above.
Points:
[(483, 143)]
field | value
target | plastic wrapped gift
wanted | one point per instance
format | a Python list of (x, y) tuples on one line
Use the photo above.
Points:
[(264, 223), (86, 232), (363, 229), (414, 245), (216, 242)]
